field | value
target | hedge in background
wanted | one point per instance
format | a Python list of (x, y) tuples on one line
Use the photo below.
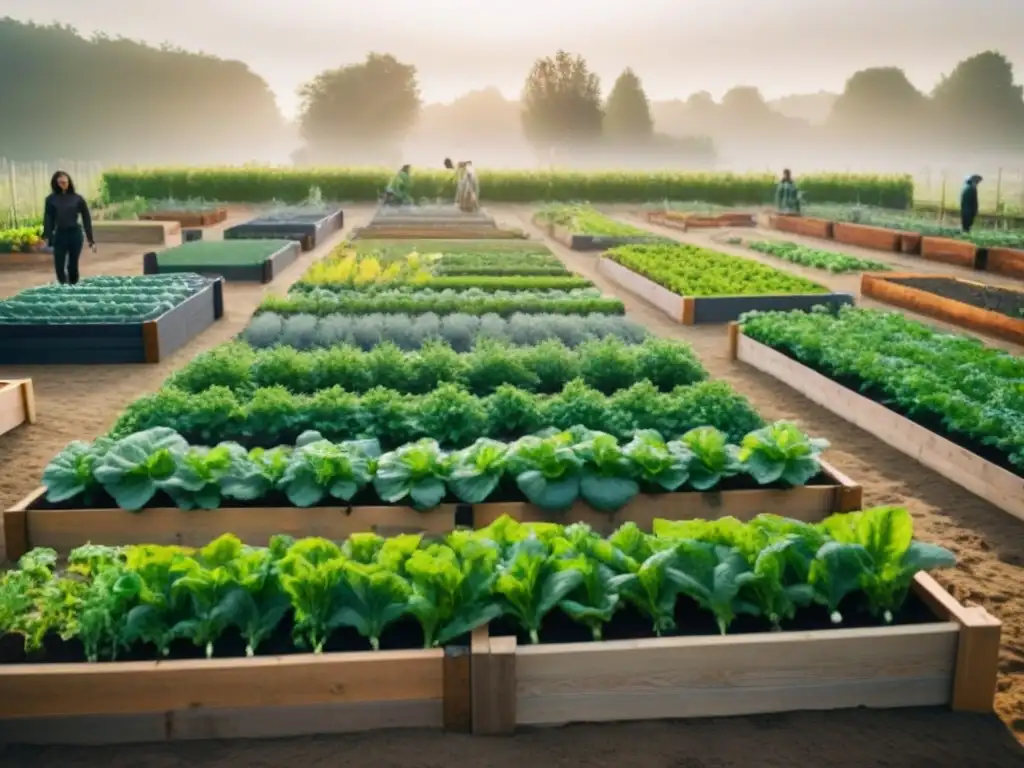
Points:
[(260, 185)]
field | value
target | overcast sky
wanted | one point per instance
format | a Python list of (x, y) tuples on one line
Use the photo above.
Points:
[(676, 46)]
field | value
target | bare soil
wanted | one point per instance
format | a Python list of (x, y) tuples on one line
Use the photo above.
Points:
[(80, 402)]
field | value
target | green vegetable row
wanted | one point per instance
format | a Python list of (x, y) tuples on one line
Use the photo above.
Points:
[(472, 302), (491, 283), (688, 270), (410, 332), (264, 185), (113, 601), (607, 365), (584, 220), (837, 263), (551, 469), (952, 384), (107, 299), (448, 414)]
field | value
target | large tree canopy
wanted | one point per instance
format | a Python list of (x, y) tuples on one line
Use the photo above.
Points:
[(116, 100), (371, 104), (978, 102), (627, 115), (561, 102), (880, 105)]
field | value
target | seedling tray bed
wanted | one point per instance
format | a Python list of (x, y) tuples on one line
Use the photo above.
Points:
[(137, 232), (149, 341), (34, 523), (219, 259), (984, 308), (17, 403), (696, 310), (206, 218), (308, 229), (946, 655), (260, 697), (801, 225), (984, 478)]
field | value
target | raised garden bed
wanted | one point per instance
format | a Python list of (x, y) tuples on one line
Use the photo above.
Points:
[(948, 251), (984, 478), (695, 310), (202, 218), (17, 403), (875, 238), (987, 309), (938, 653), (1003, 261), (687, 221), (243, 260), (137, 232), (310, 229), (45, 333), (262, 697), (434, 232), (802, 225), (34, 523)]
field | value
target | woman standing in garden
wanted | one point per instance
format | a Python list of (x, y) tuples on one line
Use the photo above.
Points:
[(61, 229), (467, 186)]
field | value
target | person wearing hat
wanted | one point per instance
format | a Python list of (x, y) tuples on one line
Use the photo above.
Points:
[(969, 202)]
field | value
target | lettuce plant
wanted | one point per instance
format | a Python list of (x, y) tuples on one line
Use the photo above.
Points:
[(417, 471), (476, 471), (136, 467), (710, 458), (547, 470), (607, 479), (782, 453), (320, 468)]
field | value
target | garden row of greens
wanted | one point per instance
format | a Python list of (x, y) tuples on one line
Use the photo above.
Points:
[(260, 185), (584, 220), (830, 261), (106, 299), (689, 270), (114, 602), (951, 384), (908, 222), (551, 469)]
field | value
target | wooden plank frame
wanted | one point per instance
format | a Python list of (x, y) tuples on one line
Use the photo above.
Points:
[(1005, 261), (165, 233), (952, 662), (205, 218), (991, 482), (260, 697), (17, 404), (948, 251), (25, 525), (802, 225), (874, 238), (880, 286), (700, 310)]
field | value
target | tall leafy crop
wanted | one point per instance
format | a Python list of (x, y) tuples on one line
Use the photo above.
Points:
[(113, 600)]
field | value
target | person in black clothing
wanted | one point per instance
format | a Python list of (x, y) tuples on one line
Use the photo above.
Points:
[(61, 229), (969, 202)]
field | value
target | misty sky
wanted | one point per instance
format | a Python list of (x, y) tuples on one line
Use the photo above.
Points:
[(676, 46)]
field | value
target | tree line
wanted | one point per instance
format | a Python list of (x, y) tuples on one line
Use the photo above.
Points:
[(117, 100)]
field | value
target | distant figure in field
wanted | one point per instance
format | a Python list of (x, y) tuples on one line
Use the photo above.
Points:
[(467, 186), (61, 229), (969, 202), (787, 196), (398, 191)]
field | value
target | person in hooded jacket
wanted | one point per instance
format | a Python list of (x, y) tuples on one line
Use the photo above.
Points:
[(969, 202), (61, 229)]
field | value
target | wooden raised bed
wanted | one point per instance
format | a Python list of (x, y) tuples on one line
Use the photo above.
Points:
[(137, 232), (979, 476), (948, 251), (310, 231), (589, 243), (910, 242), (687, 221), (950, 662), (696, 310), (260, 697), (1003, 261), (189, 218), (875, 238), (27, 525), (17, 403), (149, 341), (258, 272), (801, 225), (883, 288)]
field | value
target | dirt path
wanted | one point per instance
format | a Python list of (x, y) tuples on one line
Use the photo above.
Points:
[(82, 403)]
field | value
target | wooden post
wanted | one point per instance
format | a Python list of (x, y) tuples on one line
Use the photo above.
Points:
[(493, 678), (14, 193), (458, 691), (734, 340), (999, 191), (942, 200)]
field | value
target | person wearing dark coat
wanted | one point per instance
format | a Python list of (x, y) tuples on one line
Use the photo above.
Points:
[(969, 202), (61, 229)]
